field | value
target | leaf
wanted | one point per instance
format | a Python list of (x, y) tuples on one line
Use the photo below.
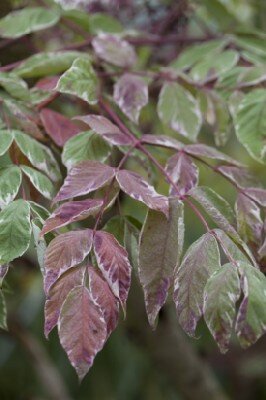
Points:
[(251, 317), (216, 207), (3, 313), (6, 139), (220, 296), (161, 243), (131, 95), (82, 329), (110, 132), (70, 212), (15, 230), (249, 223), (39, 155), (257, 194), (58, 127), (230, 249), (57, 295), (46, 63), (27, 20), (114, 50), (183, 172), (15, 86), (180, 110), (64, 252), (113, 262), (80, 80), (104, 298), (241, 177), (84, 146), (39, 181), (211, 67), (85, 178), (192, 54), (250, 123), (39, 243), (202, 150), (201, 260), (116, 226), (3, 272), (39, 211), (10, 180), (137, 188), (162, 140), (100, 22)]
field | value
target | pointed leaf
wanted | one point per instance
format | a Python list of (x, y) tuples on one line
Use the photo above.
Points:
[(104, 298), (27, 20), (110, 132), (257, 194), (80, 80), (202, 150), (183, 172), (65, 251), (85, 146), (58, 127), (251, 318), (161, 242), (10, 180), (39, 181), (82, 329), (137, 188), (70, 212), (201, 260), (131, 95), (114, 50), (220, 296), (57, 295), (85, 178), (39, 155), (113, 262), (162, 140), (179, 109), (15, 86), (230, 249), (15, 230), (6, 139)]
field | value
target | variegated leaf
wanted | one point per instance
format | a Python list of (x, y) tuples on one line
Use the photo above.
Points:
[(183, 172), (114, 50)]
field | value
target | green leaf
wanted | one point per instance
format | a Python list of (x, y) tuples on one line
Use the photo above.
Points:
[(39, 243), (250, 123), (180, 110), (39, 211), (15, 230), (131, 241), (39, 181), (116, 226), (201, 260), (251, 318), (220, 296), (214, 65), (6, 139), (161, 243), (48, 63), (229, 247), (22, 22), (80, 80), (100, 22), (85, 146), (3, 313), (39, 155), (197, 52), (10, 180), (15, 86)]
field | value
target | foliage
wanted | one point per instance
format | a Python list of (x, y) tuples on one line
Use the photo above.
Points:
[(126, 105)]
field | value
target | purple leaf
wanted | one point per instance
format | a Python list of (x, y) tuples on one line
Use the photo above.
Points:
[(113, 262), (161, 243), (240, 176), (220, 296), (201, 260), (104, 298), (137, 188), (257, 194), (64, 252), (71, 212), (202, 150), (110, 132), (183, 172), (162, 140), (57, 295), (85, 178), (82, 329), (58, 127), (114, 50), (131, 95)]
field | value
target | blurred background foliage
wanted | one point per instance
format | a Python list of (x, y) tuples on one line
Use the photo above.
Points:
[(32, 368)]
